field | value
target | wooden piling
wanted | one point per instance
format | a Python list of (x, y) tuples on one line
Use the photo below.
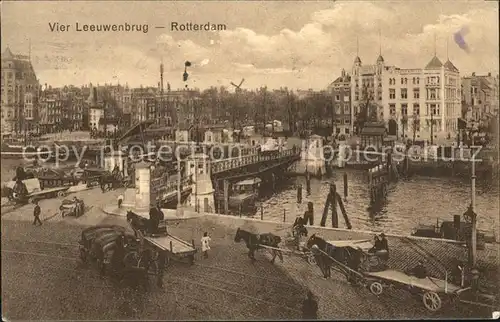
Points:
[(171, 247), (335, 218), (325, 210), (299, 193), (284, 215), (308, 183), (310, 209), (344, 212), (261, 212), (346, 188), (226, 197)]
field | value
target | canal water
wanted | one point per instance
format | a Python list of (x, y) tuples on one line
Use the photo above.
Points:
[(409, 202)]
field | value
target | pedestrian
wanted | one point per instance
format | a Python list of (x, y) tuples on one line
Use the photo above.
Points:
[(205, 244), (120, 201), (310, 307), (36, 214)]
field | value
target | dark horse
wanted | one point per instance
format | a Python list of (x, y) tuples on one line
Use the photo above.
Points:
[(327, 255), (255, 242), (138, 223)]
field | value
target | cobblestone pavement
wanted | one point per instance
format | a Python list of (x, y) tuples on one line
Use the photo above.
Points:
[(94, 200), (42, 278)]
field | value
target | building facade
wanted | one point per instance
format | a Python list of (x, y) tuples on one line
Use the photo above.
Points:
[(480, 95), (19, 93), (420, 102), (340, 90)]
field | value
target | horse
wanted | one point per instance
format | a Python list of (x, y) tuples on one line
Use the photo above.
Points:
[(138, 223), (255, 242), (327, 254)]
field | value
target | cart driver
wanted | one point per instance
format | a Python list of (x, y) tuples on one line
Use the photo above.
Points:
[(155, 216)]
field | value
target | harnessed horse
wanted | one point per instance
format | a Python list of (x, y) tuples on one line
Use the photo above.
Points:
[(325, 254), (255, 242)]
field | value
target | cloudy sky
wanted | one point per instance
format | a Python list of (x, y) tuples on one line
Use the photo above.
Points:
[(301, 44)]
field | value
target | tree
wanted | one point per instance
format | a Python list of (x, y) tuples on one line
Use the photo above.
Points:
[(416, 122), (404, 123)]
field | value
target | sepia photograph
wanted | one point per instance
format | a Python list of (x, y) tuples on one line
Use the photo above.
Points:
[(250, 160)]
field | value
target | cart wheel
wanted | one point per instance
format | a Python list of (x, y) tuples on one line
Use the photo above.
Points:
[(132, 259), (376, 288), (311, 259), (61, 194), (432, 301)]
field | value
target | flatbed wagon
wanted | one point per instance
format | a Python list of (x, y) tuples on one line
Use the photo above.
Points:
[(434, 292)]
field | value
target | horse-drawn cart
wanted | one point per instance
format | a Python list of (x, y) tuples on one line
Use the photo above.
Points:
[(370, 270), (75, 207), (160, 246), (115, 250)]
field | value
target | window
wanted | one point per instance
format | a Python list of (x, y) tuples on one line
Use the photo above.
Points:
[(392, 93), (346, 109), (416, 109), (392, 109), (402, 81), (346, 131), (416, 93), (356, 97), (434, 109), (404, 109), (337, 98), (418, 80), (416, 125), (404, 93), (346, 98), (347, 121)]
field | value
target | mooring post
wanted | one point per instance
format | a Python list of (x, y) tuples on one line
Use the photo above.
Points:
[(284, 215), (226, 197), (310, 209), (261, 212), (345, 186), (299, 193), (308, 183), (239, 210), (333, 193)]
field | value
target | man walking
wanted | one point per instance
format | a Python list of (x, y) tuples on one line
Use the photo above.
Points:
[(36, 214)]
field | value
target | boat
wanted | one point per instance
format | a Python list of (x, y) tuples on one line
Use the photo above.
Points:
[(243, 196), (29, 152), (457, 230)]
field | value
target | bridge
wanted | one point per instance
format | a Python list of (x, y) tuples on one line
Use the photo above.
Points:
[(253, 165)]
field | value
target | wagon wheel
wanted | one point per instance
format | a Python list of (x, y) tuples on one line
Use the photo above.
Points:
[(61, 194), (132, 259), (376, 288), (432, 301)]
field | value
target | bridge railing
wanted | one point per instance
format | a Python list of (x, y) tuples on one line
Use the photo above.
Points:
[(232, 163)]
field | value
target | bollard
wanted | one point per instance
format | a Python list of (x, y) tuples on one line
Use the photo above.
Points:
[(345, 186), (299, 193), (239, 209), (284, 215), (308, 183), (333, 193), (261, 212)]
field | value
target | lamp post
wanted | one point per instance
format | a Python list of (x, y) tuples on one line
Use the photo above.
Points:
[(473, 207)]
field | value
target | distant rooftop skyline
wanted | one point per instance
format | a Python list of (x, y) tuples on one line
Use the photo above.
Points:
[(300, 45)]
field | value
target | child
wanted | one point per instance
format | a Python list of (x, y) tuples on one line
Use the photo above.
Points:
[(120, 201), (205, 246)]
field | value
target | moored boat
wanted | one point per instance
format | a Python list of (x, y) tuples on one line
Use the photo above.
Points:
[(27, 152)]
